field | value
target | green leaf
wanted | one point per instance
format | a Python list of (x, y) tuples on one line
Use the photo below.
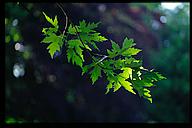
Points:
[(153, 76), (147, 95), (53, 47), (94, 45), (126, 84), (54, 23), (86, 68), (71, 30), (131, 51), (44, 30), (129, 60), (115, 46), (78, 60), (49, 31), (87, 34), (132, 77), (91, 39), (79, 52), (127, 72), (75, 48), (139, 86), (55, 43), (135, 64), (87, 47), (109, 86), (111, 53), (76, 44), (150, 99), (71, 55), (87, 28), (93, 25), (51, 38), (95, 73), (97, 38), (83, 28), (117, 86), (119, 63), (159, 76), (127, 43)]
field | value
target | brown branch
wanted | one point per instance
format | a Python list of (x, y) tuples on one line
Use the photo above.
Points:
[(66, 18)]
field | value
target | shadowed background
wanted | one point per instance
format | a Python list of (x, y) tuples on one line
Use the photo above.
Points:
[(41, 89)]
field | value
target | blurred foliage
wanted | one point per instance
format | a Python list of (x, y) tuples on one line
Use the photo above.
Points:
[(11, 120), (38, 88), (172, 58), (13, 15)]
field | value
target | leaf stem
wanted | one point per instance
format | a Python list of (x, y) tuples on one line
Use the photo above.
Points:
[(66, 18)]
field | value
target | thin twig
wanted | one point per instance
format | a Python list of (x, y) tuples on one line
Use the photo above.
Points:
[(98, 54), (81, 40), (101, 59), (80, 37), (104, 56), (66, 18)]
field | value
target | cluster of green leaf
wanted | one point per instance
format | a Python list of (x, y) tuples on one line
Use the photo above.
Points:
[(119, 65), (54, 40), (86, 38)]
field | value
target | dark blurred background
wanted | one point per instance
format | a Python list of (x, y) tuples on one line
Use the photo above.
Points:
[(41, 89)]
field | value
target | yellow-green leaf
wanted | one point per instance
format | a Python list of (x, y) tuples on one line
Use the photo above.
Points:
[(127, 72), (117, 86), (53, 47), (95, 73), (54, 23), (131, 51), (126, 84)]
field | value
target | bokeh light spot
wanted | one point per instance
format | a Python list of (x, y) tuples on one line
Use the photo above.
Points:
[(19, 47), (51, 78), (102, 7), (15, 22), (18, 70), (163, 19)]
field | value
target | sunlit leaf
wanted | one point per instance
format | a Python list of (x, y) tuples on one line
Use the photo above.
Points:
[(54, 23), (131, 51), (119, 66), (127, 43), (95, 73), (117, 86), (53, 47)]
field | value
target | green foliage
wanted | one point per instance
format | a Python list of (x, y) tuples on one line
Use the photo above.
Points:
[(74, 52), (95, 73), (11, 120), (87, 33), (173, 58), (54, 23), (12, 33), (55, 41), (119, 66)]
